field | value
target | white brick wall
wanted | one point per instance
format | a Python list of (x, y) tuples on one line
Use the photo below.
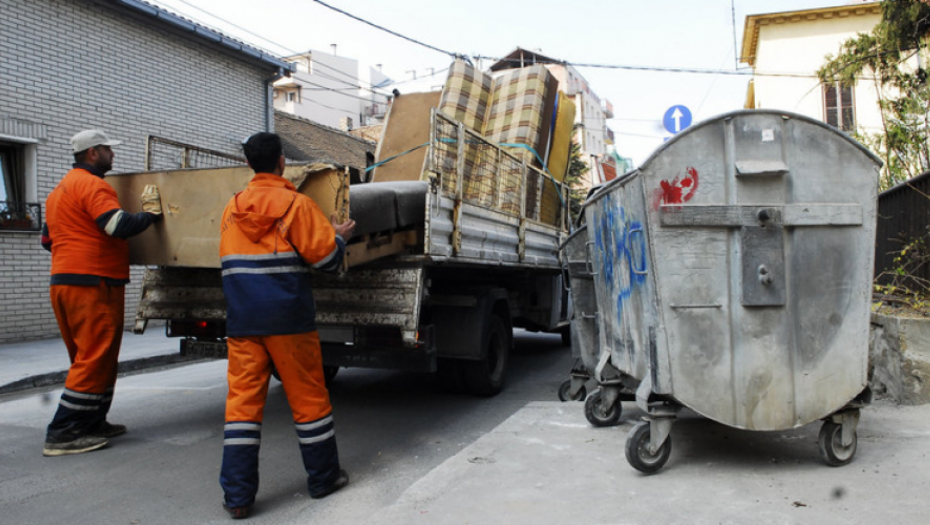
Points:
[(78, 64)]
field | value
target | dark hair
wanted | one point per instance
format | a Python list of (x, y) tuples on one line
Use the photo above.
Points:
[(80, 156), (263, 150)]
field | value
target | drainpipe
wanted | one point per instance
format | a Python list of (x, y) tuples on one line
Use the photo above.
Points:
[(269, 94)]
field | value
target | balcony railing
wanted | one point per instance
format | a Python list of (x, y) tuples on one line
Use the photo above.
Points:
[(20, 216)]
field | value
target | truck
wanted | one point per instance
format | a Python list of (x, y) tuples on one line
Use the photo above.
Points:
[(443, 266)]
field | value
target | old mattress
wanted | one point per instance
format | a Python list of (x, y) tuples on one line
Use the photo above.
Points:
[(558, 157)]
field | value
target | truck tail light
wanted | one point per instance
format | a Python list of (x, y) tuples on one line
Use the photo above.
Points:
[(197, 328)]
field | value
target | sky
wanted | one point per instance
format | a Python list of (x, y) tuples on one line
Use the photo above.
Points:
[(691, 34)]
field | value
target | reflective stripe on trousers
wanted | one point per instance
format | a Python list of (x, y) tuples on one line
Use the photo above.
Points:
[(90, 319), (299, 364)]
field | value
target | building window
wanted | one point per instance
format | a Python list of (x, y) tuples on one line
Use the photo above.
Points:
[(292, 96), (838, 106), (17, 188)]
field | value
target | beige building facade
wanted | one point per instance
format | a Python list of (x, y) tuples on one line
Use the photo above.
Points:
[(786, 49)]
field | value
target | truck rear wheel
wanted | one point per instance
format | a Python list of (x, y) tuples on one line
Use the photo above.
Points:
[(486, 377)]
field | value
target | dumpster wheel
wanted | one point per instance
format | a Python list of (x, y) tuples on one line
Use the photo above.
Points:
[(598, 413), (831, 447), (637, 450), (565, 390)]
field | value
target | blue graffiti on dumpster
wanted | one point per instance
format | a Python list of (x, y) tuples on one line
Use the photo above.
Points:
[(623, 266)]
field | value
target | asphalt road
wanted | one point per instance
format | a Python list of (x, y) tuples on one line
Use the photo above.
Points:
[(392, 429)]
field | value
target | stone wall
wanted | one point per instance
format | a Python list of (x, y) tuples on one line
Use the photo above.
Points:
[(899, 358)]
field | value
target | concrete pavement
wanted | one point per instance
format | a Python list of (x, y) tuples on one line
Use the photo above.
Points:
[(547, 465), (45, 362)]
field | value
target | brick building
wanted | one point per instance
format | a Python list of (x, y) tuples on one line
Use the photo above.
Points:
[(126, 67)]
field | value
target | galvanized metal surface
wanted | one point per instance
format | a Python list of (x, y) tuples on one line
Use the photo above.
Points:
[(745, 245), (618, 253), (488, 237), (585, 335)]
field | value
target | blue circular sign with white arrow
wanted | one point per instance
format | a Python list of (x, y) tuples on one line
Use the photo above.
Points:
[(676, 119)]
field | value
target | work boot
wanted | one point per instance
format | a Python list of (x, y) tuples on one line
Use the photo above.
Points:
[(107, 430), (341, 481), (237, 513), (75, 446)]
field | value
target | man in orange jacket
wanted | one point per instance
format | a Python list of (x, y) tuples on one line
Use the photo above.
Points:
[(271, 238), (86, 231)]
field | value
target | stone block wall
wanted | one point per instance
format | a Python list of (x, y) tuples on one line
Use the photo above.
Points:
[(899, 359)]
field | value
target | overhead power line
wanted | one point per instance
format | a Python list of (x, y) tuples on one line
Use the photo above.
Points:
[(745, 73), (285, 48), (350, 15)]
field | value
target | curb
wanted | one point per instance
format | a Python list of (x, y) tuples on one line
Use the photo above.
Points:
[(125, 367)]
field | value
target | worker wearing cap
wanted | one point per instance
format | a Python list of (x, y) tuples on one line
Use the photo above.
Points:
[(86, 231), (271, 237)]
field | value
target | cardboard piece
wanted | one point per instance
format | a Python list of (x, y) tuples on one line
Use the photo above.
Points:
[(193, 201)]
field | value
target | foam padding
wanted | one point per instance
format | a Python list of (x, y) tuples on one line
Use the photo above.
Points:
[(372, 208)]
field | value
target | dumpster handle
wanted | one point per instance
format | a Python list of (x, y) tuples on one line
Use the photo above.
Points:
[(588, 265), (641, 271)]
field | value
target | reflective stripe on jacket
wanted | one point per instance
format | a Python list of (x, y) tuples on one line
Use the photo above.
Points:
[(271, 236)]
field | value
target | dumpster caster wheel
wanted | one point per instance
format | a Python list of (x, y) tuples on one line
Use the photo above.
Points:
[(565, 390), (598, 413), (637, 450), (832, 450)]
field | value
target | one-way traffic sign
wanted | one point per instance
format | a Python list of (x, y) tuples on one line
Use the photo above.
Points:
[(676, 119)]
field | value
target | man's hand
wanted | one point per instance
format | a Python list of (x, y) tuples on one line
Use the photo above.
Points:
[(151, 200), (344, 229)]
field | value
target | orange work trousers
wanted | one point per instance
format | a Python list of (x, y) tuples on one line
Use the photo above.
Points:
[(299, 363), (91, 322), (90, 319)]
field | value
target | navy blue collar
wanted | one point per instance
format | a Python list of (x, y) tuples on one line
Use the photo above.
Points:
[(89, 167)]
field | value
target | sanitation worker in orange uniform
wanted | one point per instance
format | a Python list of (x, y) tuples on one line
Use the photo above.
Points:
[(271, 238), (86, 231)]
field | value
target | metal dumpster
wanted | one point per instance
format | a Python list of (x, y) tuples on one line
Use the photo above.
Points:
[(732, 275)]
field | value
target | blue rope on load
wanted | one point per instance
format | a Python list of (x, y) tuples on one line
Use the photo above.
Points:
[(542, 163), (389, 159)]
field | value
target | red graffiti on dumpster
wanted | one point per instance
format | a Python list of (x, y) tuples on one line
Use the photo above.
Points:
[(677, 191)]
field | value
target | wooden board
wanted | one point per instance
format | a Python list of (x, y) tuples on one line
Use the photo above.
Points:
[(193, 201), (407, 126)]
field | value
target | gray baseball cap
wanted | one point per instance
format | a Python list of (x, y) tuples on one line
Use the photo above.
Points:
[(89, 138)]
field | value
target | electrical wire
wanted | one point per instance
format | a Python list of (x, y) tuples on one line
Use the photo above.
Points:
[(285, 48), (240, 28), (337, 92), (350, 15)]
